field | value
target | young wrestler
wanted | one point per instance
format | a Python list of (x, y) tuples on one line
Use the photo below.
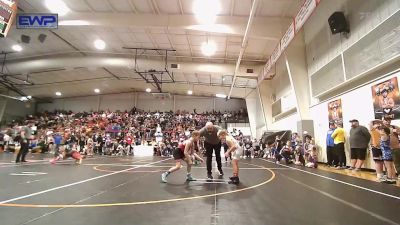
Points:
[(67, 153), (235, 150), (185, 152)]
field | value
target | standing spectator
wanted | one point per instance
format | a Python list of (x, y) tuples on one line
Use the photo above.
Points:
[(394, 141), (376, 149), (359, 140), (212, 143), (330, 152), (339, 139), (387, 154)]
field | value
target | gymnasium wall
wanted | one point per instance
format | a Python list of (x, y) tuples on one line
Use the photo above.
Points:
[(356, 104), (127, 101), (342, 66), (334, 60), (16, 110)]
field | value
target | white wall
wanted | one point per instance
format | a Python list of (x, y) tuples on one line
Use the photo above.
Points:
[(356, 104), (126, 101), (338, 60), (287, 123), (362, 15), (281, 82), (149, 103)]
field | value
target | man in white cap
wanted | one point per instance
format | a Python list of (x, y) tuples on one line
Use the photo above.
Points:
[(212, 142)]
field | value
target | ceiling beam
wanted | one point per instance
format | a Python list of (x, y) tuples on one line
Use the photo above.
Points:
[(111, 73), (269, 28), (133, 7), (180, 6), (18, 67), (244, 44)]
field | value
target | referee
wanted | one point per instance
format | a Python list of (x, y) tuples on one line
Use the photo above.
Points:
[(212, 142)]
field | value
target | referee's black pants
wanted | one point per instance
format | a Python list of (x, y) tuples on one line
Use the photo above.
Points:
[(209, 151)]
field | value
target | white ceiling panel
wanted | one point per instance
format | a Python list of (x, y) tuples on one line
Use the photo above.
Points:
[(121, 5), (99, 5), (160, 38), (168, 6), (242, 7), (176, 36), (142, 37), (179, 39), (143, 6)]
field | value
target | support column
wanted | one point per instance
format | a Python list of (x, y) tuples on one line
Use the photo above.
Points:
[(174, 106), (213, 104), (265, 93), (253, 105), (296, 65), (135, 99), (98, 102)]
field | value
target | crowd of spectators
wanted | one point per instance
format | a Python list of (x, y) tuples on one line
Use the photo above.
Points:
[(381, 138), (107, 132)]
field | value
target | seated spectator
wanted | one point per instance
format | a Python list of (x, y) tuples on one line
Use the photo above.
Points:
[(310, 153)]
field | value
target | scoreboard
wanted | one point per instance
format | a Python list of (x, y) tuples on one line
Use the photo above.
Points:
[(8, 10)]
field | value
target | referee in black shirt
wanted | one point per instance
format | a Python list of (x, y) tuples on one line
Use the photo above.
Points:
[(212, 142)]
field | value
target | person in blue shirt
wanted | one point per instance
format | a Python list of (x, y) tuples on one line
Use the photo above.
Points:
[(330, 153), (57, 141)]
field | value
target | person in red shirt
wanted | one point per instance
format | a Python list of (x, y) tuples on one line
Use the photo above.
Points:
[(186, 151), (129, 144)]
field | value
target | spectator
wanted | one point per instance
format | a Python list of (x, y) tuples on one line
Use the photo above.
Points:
[(330, 152), (376, 149), (385, 143), (339, 139), (359, 140), (394, 141)]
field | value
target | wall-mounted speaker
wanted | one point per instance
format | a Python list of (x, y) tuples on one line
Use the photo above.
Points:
[(25, 39), (42, 38), (338, 24)]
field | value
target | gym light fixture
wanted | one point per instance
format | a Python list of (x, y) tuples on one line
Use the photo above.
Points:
[(99, 44), (17, 48), (209, 48), (57, 6), (97, 90), (206, 10), (190, 92), (148, 90), (58, 93), (220, 96)]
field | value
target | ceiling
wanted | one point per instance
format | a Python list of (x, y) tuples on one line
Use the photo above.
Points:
[(161, 24)]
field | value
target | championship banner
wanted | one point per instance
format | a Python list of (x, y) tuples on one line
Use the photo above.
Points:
[(305, 12), (385, 97), (335, 111), (276, 54), (267, 68), (288, 37)]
